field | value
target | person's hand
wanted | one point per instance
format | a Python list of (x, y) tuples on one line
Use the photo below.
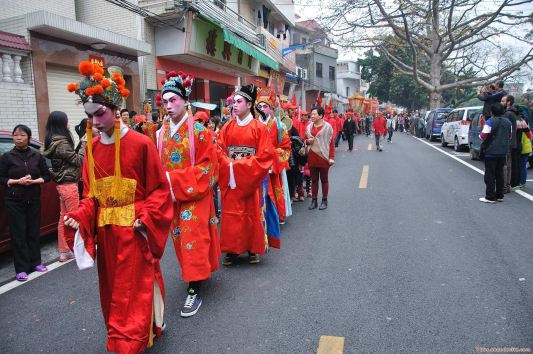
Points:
[(353, 134), (71, 223), (25, 181), (331, 162), (138, 225), (310, 141), (84, 138)]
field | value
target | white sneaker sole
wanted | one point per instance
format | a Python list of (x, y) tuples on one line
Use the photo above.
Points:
[(189, 314)]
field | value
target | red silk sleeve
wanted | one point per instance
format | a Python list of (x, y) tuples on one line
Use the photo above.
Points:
[(283, 148)]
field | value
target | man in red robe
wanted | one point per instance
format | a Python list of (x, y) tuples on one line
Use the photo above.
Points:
[(191, 164), (266, 101), (245, 156), (127, 210), (304, 122)]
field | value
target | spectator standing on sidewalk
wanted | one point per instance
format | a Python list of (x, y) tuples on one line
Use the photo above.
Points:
[(391, 125), (380, 129), (319, 139), (496, 136), (368, 124), (349, 130), (512, 166), (526, 150), (22, 171), (66, 172)]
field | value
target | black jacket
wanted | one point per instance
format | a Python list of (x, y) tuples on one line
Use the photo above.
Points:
[(511, 115), (499, 137), (349, 127), (13, 166), (490, 98)]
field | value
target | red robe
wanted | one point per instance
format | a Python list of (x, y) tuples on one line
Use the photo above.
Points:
[(193, 228), (303, 128), (149, 129), (249, 150), (128, 261), (283, 151)]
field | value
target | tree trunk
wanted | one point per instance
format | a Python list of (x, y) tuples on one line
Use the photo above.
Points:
[(434, 100), (435, 96)]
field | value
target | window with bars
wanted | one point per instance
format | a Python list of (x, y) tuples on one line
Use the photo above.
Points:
[(318, 70), (332, 73)]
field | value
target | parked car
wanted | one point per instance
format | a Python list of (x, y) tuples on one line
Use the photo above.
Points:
[(474, 141), (434, 122), (455, 129), (49, 197)]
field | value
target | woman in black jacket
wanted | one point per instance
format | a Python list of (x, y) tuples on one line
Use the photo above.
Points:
[(22, 171), (66, 164)]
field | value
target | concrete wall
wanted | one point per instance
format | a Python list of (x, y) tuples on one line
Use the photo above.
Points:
[(150, 71), (18, 106), (104, 15), (324, 82), (65, 8)]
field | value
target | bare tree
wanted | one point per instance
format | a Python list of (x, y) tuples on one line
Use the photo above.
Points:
[(483, 37)]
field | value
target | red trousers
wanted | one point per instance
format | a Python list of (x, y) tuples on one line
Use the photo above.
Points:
[(322, 173)]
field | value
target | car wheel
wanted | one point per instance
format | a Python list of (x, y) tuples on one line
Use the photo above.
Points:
[(473, 153), (456, 146), (443, 143)]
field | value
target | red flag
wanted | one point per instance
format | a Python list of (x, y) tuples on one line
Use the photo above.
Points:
[(319, 100), (294, 99)]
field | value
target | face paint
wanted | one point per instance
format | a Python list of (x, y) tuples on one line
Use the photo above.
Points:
[(240, 106), (265, 108), (100, 116), (174, 105)]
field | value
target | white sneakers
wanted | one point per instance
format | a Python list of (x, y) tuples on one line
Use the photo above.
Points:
[(485, 200)]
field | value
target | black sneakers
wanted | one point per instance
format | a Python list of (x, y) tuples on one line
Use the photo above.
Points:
[(192, 304), (253, 258), (228, 260)]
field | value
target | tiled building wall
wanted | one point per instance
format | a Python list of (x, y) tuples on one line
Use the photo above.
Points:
[(12, 8), (17, 106)]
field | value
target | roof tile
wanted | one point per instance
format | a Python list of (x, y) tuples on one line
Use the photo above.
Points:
[(14, 41)]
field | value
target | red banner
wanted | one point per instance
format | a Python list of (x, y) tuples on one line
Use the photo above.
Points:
[(97, 60), (276, 81)]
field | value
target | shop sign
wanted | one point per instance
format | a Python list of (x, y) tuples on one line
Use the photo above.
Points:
[(272, 43), (97, 60)]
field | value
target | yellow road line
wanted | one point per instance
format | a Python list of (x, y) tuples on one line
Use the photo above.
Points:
[(330, 345), (364, 177), (369, 146)]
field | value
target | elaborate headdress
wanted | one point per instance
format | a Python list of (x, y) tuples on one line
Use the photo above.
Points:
[(108, 91), (265, 94), (178, 83)]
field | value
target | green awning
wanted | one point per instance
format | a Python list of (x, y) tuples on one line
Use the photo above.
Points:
[(257, 53)]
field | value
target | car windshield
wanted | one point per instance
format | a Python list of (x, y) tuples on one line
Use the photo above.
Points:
[(440, 116)]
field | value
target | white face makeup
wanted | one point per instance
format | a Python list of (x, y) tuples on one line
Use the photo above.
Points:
[(100, 116), (240, 106), (173, 104), (265, 107)]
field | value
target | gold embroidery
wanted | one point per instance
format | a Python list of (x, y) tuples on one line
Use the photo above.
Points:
[(116, 208)]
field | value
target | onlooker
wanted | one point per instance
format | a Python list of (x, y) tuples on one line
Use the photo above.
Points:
[(132, 117), (368, 124), (526, 150), (125, 117), (496, 136), (493, 94), (319, 139), (512, 166), (66, 163), (421, 126), (349, 130), (391, 125), (380, 129), (22, 170)]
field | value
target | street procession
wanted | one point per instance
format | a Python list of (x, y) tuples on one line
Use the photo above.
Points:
[(246, 176)]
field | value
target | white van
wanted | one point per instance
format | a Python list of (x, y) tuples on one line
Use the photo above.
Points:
[(455, 128)]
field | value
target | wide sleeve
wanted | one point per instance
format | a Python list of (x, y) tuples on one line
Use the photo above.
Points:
[(248, 171), (196, 182), (283, 150), (67, 153), (156, 210), (45, 172)]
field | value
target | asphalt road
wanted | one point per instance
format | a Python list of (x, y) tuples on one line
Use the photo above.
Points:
[(413, 263)]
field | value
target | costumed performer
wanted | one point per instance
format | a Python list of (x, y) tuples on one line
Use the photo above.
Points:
[(190, 160), (245, 155), (126, 210)]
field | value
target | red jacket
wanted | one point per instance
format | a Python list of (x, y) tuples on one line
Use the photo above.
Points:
[(380, 126)]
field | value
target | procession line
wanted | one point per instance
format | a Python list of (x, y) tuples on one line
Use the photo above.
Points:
[(364, 177), (15, 283), (330, 345), (522, 193)]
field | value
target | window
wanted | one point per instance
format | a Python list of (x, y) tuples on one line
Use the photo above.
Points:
[(318, 69), (459, 115), (332, 73), (347, 92), (471, 114)]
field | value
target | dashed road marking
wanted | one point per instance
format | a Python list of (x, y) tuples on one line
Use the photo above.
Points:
[(330, 345), (364, 177), (370, 146)]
